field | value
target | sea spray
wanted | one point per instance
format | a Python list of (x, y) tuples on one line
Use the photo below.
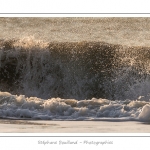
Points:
[(73, 80), (76, 70)]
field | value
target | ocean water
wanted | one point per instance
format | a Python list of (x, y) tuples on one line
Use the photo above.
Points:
[(73, 80)]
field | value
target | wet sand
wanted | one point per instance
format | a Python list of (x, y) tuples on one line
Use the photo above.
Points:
[(36, 126)]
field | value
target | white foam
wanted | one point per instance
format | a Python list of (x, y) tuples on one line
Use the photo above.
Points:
[(71, 109), (145, 113)]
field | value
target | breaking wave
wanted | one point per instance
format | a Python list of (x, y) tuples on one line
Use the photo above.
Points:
[(73, 80)]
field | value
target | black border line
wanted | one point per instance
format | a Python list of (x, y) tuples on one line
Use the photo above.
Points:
[(75, 136), (78, 13)]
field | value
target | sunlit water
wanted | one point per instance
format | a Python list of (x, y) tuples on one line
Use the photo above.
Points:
[(72, 80)]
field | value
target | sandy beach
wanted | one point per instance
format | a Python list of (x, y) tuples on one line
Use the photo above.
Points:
[(36, 126)]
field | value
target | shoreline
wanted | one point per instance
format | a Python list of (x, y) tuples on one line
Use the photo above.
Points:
[(40, 126)]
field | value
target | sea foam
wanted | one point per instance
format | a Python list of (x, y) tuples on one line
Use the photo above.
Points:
[(22, 107)]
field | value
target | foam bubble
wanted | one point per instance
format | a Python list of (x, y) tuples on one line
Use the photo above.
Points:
[(145, 113), (70, 109)]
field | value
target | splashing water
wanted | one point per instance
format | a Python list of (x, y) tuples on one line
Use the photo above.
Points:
[(116, 76)]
